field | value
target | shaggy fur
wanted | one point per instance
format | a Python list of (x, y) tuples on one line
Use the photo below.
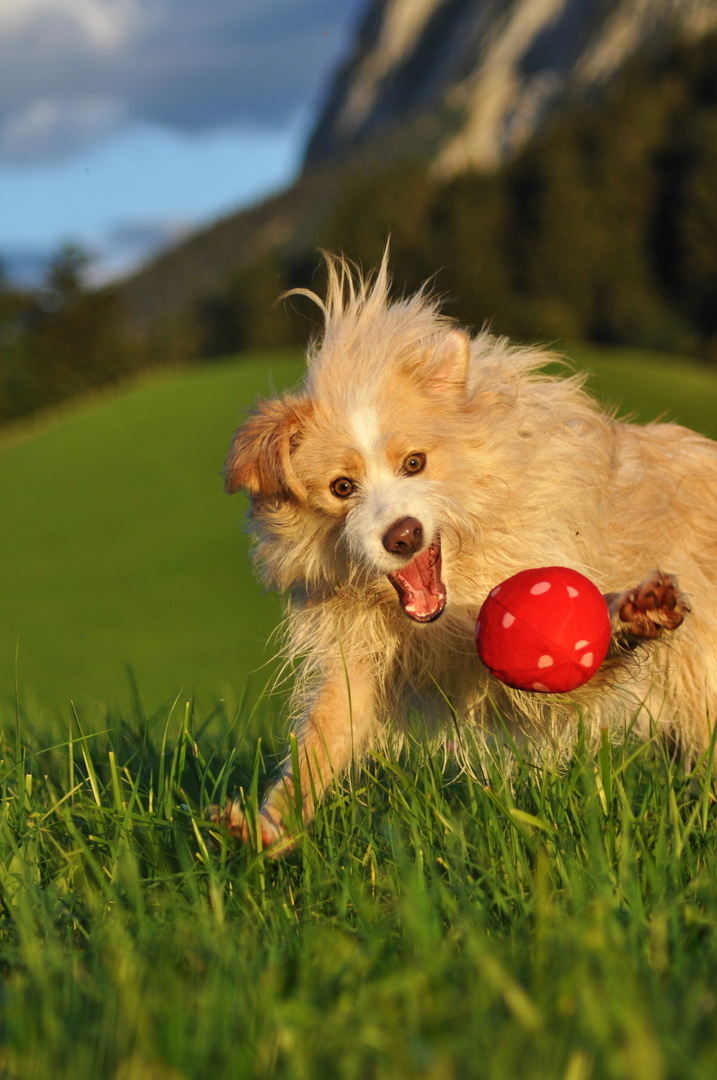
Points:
[(409, 434)]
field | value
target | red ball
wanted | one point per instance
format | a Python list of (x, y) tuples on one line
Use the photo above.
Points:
[(546, 630)]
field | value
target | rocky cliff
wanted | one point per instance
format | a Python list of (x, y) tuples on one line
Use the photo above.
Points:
[(467, 82)]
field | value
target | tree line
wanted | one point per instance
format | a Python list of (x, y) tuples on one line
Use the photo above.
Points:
[(62, 338)]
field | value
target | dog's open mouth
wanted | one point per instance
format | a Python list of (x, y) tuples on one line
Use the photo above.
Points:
[(420, 590)]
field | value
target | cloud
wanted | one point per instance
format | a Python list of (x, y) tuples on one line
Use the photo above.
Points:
[(104, 23), (51, 129), (73, 71)]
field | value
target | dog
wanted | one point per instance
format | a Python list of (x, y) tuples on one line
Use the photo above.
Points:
[(417, 468)]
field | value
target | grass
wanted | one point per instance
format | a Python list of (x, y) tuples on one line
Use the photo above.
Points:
[(431, 926), (649, 386), (120, 548)]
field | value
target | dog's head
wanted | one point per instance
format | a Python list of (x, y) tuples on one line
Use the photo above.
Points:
[(355, 477)]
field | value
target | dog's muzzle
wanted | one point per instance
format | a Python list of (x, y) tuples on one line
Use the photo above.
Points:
[(421, 592)]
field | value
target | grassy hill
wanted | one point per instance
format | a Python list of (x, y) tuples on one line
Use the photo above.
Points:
[(118, 546)]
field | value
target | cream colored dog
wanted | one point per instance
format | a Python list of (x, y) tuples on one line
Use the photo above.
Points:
[(414, 471)]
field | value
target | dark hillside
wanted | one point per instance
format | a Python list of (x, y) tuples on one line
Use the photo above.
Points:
[(604, 227)]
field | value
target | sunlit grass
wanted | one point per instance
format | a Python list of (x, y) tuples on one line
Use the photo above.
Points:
[(119, 546)]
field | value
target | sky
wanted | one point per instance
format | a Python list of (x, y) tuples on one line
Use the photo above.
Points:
[(125, 124)]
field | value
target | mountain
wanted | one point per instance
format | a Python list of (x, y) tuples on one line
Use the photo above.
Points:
[(468, 82), (461, 85)]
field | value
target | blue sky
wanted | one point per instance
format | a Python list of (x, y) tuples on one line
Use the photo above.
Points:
[(126, 123)]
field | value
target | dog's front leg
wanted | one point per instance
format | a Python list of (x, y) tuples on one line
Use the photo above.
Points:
[(338, 724), (656, 605)]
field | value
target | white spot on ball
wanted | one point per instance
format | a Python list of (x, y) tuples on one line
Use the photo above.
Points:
[(508, 619), (478, 631), (540, 587), (545, 661), (495, 591), (572, 591), (539, 686), (587, 659), (581, 644)]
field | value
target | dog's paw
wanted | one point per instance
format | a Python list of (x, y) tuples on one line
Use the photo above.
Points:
[(239, 826), (654, 606)]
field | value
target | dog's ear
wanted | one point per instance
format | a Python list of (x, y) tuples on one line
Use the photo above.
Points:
[(447, 363), (259, 458)]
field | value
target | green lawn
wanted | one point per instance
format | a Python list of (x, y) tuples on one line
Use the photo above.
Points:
[(647, 387), (119, 547), (433, 925)]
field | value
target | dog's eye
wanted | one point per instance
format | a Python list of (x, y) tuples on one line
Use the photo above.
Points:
[(342, 487), (414, 463)]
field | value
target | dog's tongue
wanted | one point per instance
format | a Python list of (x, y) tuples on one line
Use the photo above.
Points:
[(420, 590)]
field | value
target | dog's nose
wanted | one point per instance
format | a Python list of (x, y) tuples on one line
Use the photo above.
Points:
[(404, 537)]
